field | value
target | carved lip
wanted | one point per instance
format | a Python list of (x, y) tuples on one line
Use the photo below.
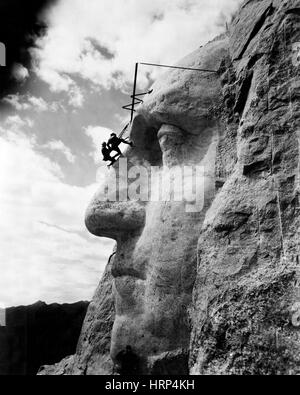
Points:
[(128, 274), (120, 271)]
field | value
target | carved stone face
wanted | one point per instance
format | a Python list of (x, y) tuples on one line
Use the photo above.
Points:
[(155, 264)]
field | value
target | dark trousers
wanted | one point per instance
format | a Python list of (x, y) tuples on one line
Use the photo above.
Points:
[(117, 149)]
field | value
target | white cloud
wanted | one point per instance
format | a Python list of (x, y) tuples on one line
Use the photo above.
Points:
[(76, 98), (101, 40), (17, 102), (15, 122), (20, 73), (58, 145), (27, 102), (38, 103), (58, 82), (45, 251)]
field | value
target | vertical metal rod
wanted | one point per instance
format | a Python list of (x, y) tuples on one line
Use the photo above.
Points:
[(134, 90)]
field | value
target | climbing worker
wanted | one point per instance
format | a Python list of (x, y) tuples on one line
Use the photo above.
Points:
[(106, 151), (114, 142), (128, 362)]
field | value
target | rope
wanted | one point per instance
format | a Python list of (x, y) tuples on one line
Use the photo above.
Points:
[(123, 131), (178, 67)]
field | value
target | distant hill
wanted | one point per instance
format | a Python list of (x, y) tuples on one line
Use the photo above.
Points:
[(39, 334)]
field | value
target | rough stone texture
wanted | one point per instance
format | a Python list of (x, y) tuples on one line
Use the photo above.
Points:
[(187, 98), (39, 334), (245, 316), (170, 363), (155, 265), (215, 291)]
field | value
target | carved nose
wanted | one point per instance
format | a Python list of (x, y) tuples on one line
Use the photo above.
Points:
[(114, 219), (111, 214)]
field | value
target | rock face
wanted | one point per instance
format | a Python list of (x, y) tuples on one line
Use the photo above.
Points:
[(209, 284), (245, 314), (39, 334), (155, 264)]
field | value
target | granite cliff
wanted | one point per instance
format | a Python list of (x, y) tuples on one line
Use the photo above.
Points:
[(215, 291)]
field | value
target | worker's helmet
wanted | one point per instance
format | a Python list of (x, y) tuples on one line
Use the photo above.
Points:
[(113, 135), (103, 144)]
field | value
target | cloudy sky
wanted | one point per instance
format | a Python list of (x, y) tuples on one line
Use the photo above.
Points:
[(69, 72)]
